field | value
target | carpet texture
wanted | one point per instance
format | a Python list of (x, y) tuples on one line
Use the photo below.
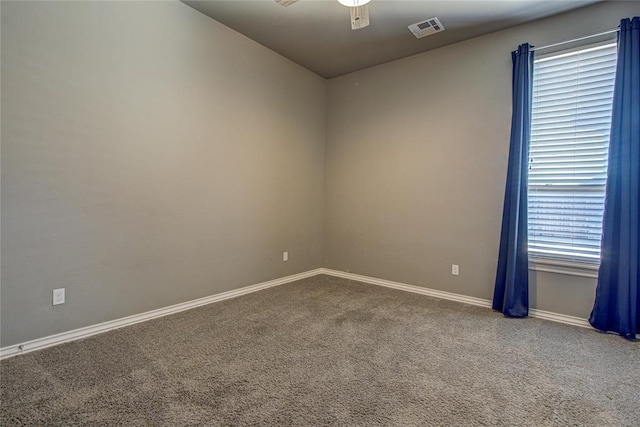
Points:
[(328, 351)]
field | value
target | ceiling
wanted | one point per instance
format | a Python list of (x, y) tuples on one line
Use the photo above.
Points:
[(317, 33)]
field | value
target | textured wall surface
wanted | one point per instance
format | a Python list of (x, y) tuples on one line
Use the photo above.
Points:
[(150, 156), (416, 162)]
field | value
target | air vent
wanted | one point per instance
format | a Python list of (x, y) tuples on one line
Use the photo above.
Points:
[(426, 27), (286, 2)]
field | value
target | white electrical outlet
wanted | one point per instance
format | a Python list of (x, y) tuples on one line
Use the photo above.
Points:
[(455, 269), (58, 296), (285, 256)]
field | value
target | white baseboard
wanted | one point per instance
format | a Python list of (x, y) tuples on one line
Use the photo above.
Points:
[(560, 318), (87, 331), (540, 314), (409, 288)]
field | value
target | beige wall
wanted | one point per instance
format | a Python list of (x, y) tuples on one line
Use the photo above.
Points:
[(149, 156), (152, 156), (416, 162)]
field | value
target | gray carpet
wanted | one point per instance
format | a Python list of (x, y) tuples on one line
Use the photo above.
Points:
[(328, 351)]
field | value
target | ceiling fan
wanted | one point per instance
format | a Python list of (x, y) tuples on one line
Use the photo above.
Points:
[(358, 8)]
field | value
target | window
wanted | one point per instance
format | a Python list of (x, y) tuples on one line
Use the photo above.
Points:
[(570, 123)]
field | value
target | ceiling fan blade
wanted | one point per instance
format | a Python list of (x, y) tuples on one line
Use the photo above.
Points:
[(359, 17), (286, 2)]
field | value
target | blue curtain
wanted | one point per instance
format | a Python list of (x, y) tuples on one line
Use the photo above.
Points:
[(617, 302), (511, 294)]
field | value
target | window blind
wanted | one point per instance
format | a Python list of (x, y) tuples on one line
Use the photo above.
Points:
[(570, 124)]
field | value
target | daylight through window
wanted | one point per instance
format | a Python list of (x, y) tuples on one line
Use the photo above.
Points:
[(570, 123)]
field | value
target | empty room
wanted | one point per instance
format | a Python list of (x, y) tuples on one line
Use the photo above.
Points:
[(335, 212)]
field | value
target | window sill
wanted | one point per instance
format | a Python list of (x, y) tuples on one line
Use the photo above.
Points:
[(571, 268)]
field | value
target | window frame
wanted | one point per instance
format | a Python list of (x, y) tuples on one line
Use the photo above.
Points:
[(557, 264)]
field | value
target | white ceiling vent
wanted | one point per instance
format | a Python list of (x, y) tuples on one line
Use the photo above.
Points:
[(426, 27), (286, 2)]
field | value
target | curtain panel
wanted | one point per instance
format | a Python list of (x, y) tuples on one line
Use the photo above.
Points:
[(617, 303), (511, 294)]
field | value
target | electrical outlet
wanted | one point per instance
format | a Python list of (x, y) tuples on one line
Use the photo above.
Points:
[(285, 256), (455, 269), (58, 296)]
